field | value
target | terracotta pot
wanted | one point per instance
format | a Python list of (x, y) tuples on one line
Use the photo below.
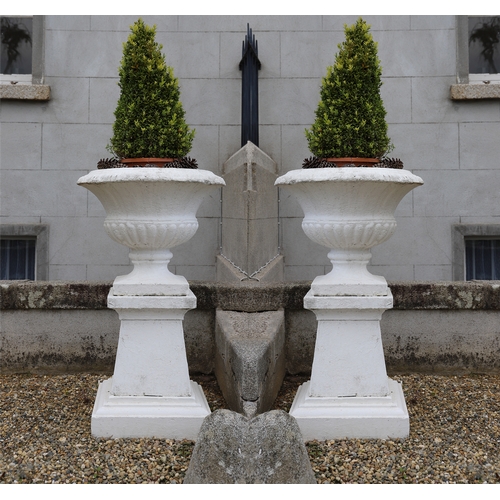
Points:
[(142, 162), (357, 162)]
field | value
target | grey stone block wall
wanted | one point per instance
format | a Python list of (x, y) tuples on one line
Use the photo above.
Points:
[(47, 145)]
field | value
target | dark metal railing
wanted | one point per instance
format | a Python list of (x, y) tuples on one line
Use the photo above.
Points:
[(250, 66)]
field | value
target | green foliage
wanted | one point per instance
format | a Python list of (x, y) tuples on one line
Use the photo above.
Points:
[(149, 115), (350, 117)]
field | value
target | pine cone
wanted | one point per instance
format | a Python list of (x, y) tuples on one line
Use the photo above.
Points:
[(390, 163), (109, 163), (315, 162), (185, 162)]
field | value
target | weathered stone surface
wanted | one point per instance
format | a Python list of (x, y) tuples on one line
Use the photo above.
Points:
[(454, 295), (442, 341), (58, 341), (267, 449), (246, 296), (53, 326), (53, 294), (25, 92), (474, 91), (275, 447), (249, 213), (272, 272), (250, 296), (250, 358)]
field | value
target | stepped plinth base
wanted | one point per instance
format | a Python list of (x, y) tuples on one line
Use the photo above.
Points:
[(324, 418), (148, 416)]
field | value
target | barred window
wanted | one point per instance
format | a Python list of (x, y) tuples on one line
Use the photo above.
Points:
[(482, 259), (24, 251), (18, 259)]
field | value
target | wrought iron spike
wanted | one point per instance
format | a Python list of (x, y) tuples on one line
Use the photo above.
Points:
[(249, 66)]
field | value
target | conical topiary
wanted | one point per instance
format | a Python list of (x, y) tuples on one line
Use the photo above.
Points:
[(149, 115), (350, 118)]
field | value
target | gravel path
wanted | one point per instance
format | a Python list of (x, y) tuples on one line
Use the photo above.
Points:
[(45, 436)]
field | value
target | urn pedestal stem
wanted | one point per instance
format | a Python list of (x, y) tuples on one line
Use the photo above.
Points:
[(150, 275), (349, 275)]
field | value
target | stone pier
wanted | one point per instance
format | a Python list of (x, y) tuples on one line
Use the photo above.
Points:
[(250, 357)]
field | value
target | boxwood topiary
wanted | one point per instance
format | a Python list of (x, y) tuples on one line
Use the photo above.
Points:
[(350, 117), (149, 117)]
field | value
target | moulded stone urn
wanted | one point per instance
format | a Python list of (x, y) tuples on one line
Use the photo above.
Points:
[(150, 210), (349, 210)]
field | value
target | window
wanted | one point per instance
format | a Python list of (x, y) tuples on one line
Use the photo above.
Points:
[(24, 252), (482, 259), (476, 252), (16, 51), (17, 259), (478, 58), (21, 58), (484, 49)]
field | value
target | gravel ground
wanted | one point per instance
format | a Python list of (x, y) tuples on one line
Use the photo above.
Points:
[(45, 436)]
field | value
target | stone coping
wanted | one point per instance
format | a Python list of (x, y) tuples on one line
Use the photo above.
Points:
[(249, 296)]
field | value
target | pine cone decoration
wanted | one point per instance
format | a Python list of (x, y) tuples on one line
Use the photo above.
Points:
[(185, 162), (315, 162), (390, 163), (109, 163)]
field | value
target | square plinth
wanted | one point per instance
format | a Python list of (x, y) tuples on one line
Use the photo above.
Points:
[(324, 418), (148, 416)]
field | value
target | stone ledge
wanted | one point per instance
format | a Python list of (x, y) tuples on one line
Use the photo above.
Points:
[(24, 294), (450, 295), (25, 92), (251, 297), (466, 91)]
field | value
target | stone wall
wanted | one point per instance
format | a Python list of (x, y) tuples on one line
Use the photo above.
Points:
[(47, 145), (62, 327)]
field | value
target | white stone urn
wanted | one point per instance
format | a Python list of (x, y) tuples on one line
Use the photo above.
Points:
[(349, 210), (151, 211)]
